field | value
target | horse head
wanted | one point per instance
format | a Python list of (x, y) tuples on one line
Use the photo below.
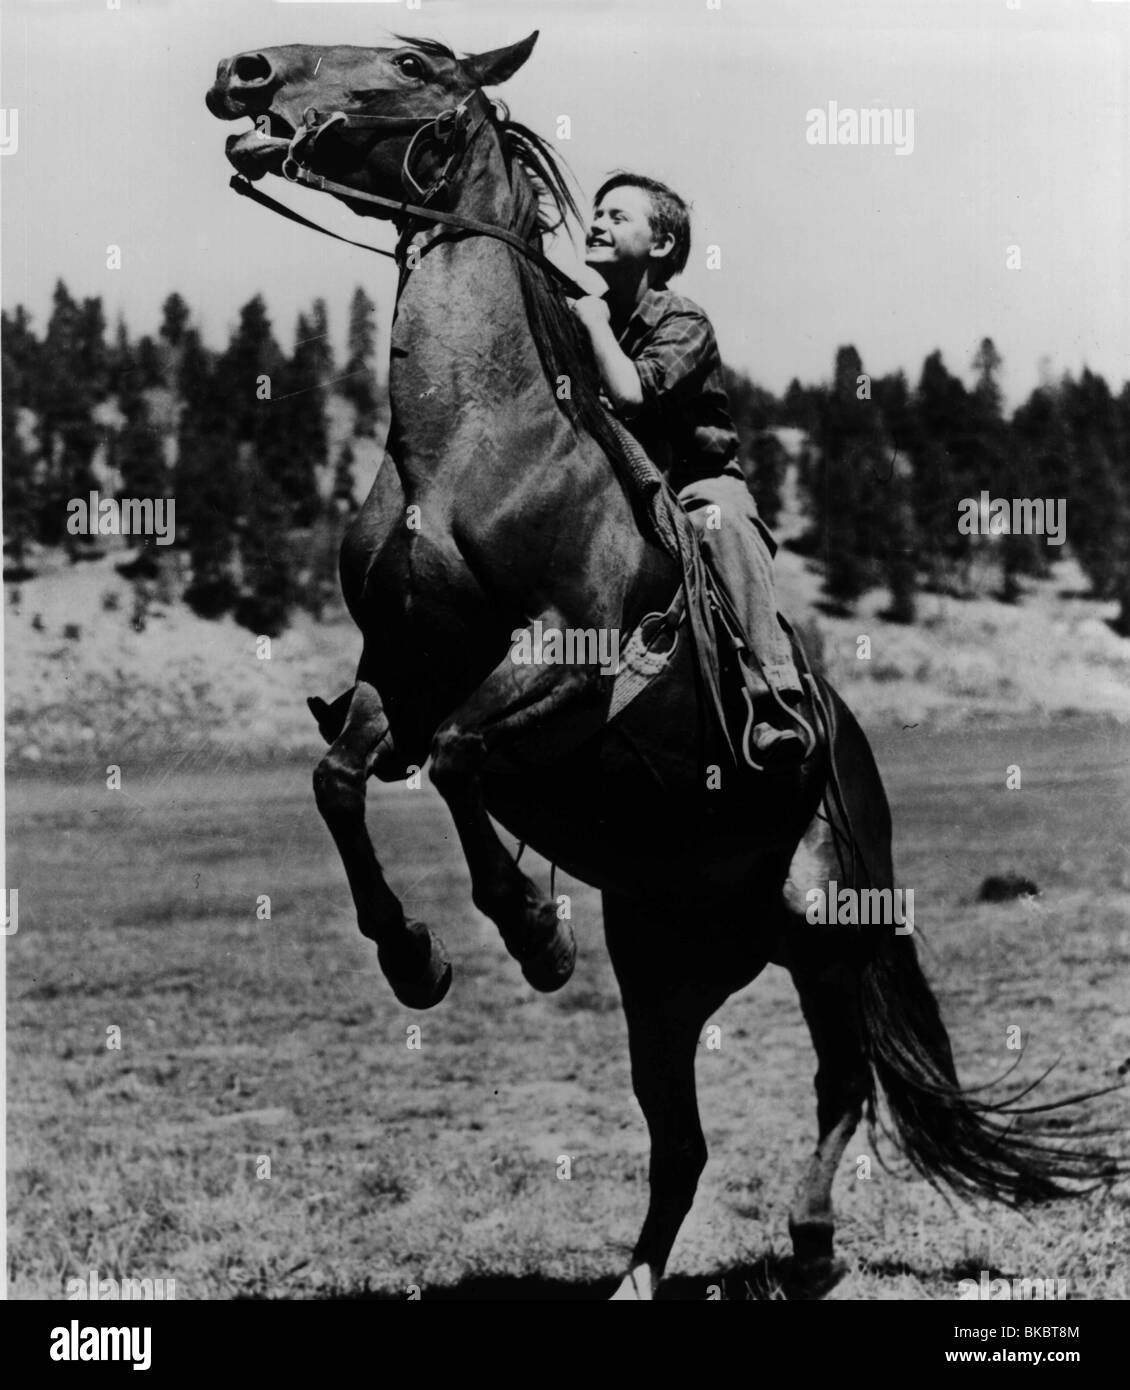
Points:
[(388, 97)]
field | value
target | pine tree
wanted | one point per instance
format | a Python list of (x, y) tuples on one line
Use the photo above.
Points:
[(17, 369), (940, 472), (321, 348), (251, 371), (175, 320), (798, 407), (345, 481), (1121, 541), (138, 454), (895, 404), (73, 368), (898, 539), (296, 443), (901, 547), (359, 383), (149, 364), (847, 501), (770, 463), (1097, 525), (93, 358), (269, 587), (208, 484), (1039, 459), (271, 470), (1098, 495), (122, 366), (994, 467)]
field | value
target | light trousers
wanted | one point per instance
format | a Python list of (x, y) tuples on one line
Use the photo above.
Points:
[(739, 549)]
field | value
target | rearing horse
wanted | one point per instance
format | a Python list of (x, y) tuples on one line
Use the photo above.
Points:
[(496, 507)]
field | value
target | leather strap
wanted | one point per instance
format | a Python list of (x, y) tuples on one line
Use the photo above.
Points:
[(247, 189), (446, 125), (447, 219)]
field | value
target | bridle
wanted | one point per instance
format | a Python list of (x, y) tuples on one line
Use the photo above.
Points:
[(453, 130)]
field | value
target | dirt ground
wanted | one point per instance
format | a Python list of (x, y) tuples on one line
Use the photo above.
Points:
[(265, 1129)]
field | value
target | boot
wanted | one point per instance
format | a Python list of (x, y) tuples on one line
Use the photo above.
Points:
[(777, 735)]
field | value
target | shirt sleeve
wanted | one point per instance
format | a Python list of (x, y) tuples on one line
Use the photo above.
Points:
[(677, 358)]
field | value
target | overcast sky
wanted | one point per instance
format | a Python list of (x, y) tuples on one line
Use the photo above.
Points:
[(1021, 138)]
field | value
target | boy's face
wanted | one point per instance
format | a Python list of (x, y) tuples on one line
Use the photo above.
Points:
[(620, 234)]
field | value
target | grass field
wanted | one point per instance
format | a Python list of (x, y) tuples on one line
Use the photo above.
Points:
[(245, 1039)]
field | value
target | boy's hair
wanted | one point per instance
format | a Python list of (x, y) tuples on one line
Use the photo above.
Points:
[(669, 214)]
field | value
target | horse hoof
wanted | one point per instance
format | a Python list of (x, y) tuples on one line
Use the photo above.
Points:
[(812, 1279), (815, 1269), (812, 1241), (637, 1286), (552, 966), (418, 988), (426, 994)]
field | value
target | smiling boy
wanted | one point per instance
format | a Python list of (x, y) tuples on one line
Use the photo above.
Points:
[(662, 373)]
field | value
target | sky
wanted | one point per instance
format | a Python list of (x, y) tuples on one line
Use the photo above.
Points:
[(1021, 139)]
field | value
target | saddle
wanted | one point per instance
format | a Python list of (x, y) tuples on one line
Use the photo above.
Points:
[(722, 648)]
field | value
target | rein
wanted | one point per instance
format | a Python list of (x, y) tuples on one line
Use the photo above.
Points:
[(443, 130)]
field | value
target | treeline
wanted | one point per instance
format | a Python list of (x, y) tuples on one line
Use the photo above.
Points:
[(264, 487), (887, 466), (240, 439)]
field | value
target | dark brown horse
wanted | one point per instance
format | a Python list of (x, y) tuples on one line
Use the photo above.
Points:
[(500, 504)]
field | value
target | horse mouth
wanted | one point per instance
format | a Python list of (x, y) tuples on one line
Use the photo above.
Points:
[(255, 152)]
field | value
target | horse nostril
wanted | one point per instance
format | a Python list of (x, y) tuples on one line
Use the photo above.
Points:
[(251, 69)]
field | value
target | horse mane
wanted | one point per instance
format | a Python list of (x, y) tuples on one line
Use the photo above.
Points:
[(543, 204)]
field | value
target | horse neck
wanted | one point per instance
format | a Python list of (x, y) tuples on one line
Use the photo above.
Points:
[(463, 358)]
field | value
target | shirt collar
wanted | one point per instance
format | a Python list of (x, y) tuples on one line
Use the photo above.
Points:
[(647, 312)]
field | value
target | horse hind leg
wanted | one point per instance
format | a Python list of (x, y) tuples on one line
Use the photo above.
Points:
[(411, 956), (669, 987), (829, 999), (827, 964)]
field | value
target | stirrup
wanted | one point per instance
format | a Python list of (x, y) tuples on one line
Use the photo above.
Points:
[(747, 733), (805, 731)]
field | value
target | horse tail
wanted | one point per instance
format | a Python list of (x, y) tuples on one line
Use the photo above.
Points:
[(976, 1147)]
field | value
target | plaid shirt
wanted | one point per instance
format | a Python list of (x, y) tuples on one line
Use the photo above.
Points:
[(684, 423)]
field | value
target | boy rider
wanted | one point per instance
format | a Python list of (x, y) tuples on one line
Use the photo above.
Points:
[(662, 374)]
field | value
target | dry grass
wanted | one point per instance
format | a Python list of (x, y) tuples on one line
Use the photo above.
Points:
[(392, 1167), (389, 1167)]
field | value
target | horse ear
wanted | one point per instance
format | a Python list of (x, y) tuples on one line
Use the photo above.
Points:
[(489, 69)]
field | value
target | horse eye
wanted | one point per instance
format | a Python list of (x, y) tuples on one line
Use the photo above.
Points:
[(409, 65)]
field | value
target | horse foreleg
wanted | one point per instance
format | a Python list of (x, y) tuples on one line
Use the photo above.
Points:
[(412, 958), (513, 700)]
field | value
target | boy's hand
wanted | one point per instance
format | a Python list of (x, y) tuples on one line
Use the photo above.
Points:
[(618, 372), (592, 311)]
